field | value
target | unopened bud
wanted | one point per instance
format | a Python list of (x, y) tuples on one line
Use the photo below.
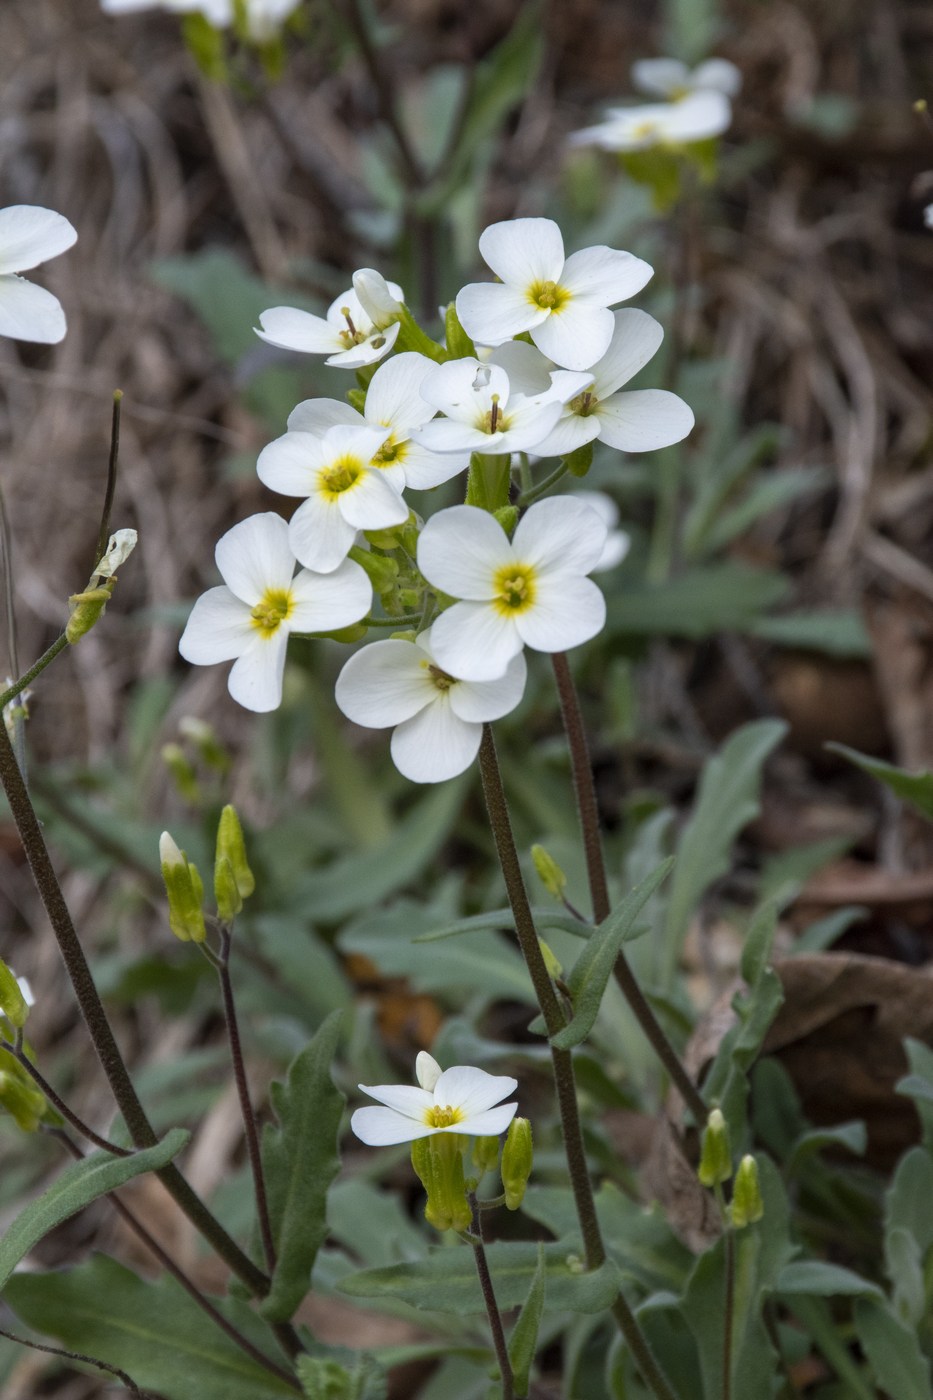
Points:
[(382, 571), (230, 843), (517, 1161), (485, 1153), (716, 1152), (459, 343), (507, 517), (580, 460), (185, 890), (228, 897), (747, 1204), (357, 399), (13, 1004), (427, 1071), (18, 1095), (554, 967), (549, 872), (438, 1162), (86, 609)]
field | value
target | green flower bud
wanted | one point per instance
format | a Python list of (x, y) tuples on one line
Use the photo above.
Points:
[(554, 968), (507, 517), (228, 897), (747, 1205), (382, 571), (19, 1096), (230, 844), (580, 460), (517, 1160), (13, 1004), (357, 399), (183, 775), (86, 608), (459, 344), (354, 633), (716, 1152), (485, 1154), (549, 872), (438, 1162), (185, 890)]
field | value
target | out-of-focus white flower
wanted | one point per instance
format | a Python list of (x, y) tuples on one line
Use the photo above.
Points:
[(618, 542), (263, 17), (561, 302), (483, 415), (461, 1099), (394, 404), (30, 235), (437, 719), (696, 117), (249, 619), (345, 491), (358, 329), (668, 77), (638, 420), (527, 591), (928, 216)]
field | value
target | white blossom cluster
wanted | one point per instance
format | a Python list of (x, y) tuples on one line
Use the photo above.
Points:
[(468, 591), (690, 105)]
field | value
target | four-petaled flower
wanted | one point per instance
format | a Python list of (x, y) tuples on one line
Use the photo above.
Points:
[(249, 619), (483, 414), (461, 1099), (438, 719), (670, 78), (30, 235), (527, 591), (562, 302), (360, 326), (696, 117)]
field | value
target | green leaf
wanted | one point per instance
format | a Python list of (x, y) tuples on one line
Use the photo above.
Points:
[(918, 1085), (915, 788), (446, 1280), (814, 1278), (853, 1136), (908, 1233), (78, 1185), (818, 1319), (153, 1331), (325, 1378), (893, 1351), (696, 604), (524, 1339), (834, 633), (593, 968), (300, 1160), (768, 491), (727, 800), (545, 918)]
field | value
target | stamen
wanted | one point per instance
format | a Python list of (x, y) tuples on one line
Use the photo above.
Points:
[(345, 313), (494, 415)]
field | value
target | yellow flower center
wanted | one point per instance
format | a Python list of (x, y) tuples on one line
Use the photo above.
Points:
[(271, 611), (584, 404), (390, 452), (341, 476), (514, 587), (443, 1117), (643, 131), (550, 296), (440, 678)]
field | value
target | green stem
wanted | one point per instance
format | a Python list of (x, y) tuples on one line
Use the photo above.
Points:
[(57, 1102), (44, 660), (588, 811), (728, 1316), (528, 497), (492, 1307)]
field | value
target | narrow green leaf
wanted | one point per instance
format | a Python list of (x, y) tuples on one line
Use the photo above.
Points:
[(839, 633), (814, 1278), (915, 788), (545, 918), (78, 1185), (818, 1320), (593, 968), (696, 604), (893, 1351), (524, 1339), (300, 1160), (853, 1136), (153, 1331)]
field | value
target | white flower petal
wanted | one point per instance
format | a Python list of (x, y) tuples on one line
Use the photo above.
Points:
[(561, 534), (470, 1089), (459, 551), (568, 611), (374, 348), (28, 312), (381, 300), (319, 535), (383, 1127), (30, 235), (373, 503), (384, 684), (530, 421), (659, 77), (255, 680), (475, 642), (317, 415), (636, 337), (576, 336), (697, 117), (528, 370), (523, 251), (255, 555), (642, 420), (324, 602), (491, 312), (360, 440), (218, 629), (393, 399), (571, 431), (408, 1099), (292, 329), (602, 276), (481, 701), (434, 744), (718, 75), (425, 469), (444, 435), (291, 463), (427, 1070), (464, 389), (489, 1124)]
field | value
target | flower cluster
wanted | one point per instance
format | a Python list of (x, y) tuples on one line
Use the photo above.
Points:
[(540, 360), (694, 105)]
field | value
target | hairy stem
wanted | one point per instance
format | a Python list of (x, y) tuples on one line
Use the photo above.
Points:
[(85, 1360), (585, 791), (11, 693), (489, 1298), (43, 1085)]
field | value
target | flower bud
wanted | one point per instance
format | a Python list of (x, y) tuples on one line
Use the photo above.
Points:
[(716, 1152), (228, 897), (427, 1071), (485, 1154), (580, 460), (549, 872), (747, 1205), (438, 1162), (86, 608), (357, 399), (517, 1160), (459, 343), (13, 1004), (230, 844), (554, 967), (18, 1095), (507, 517), (376, 298), (383, 572), (185, 891)]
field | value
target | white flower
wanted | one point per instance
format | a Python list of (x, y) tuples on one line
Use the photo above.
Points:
[(461, 1099), (696, 117), (562, 302), (618, 542), (668, 77), (249, 620), (483, 414), (30, 235), (438, 719), (359, 328), (263, 17), (345, 491), (530, 591), (640, 420), (393, 403)]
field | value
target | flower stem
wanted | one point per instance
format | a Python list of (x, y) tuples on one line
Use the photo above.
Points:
[(527, 498), (728, 1316), (47, 656), (585, 791), (64, 1355), (489, 1298), (246, 1107), (561, 1060)]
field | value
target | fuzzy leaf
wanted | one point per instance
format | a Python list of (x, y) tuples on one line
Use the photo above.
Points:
[(893, 1352), (915, 788)]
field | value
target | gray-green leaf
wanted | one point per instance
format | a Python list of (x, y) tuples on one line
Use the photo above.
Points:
[(524, 1339)]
